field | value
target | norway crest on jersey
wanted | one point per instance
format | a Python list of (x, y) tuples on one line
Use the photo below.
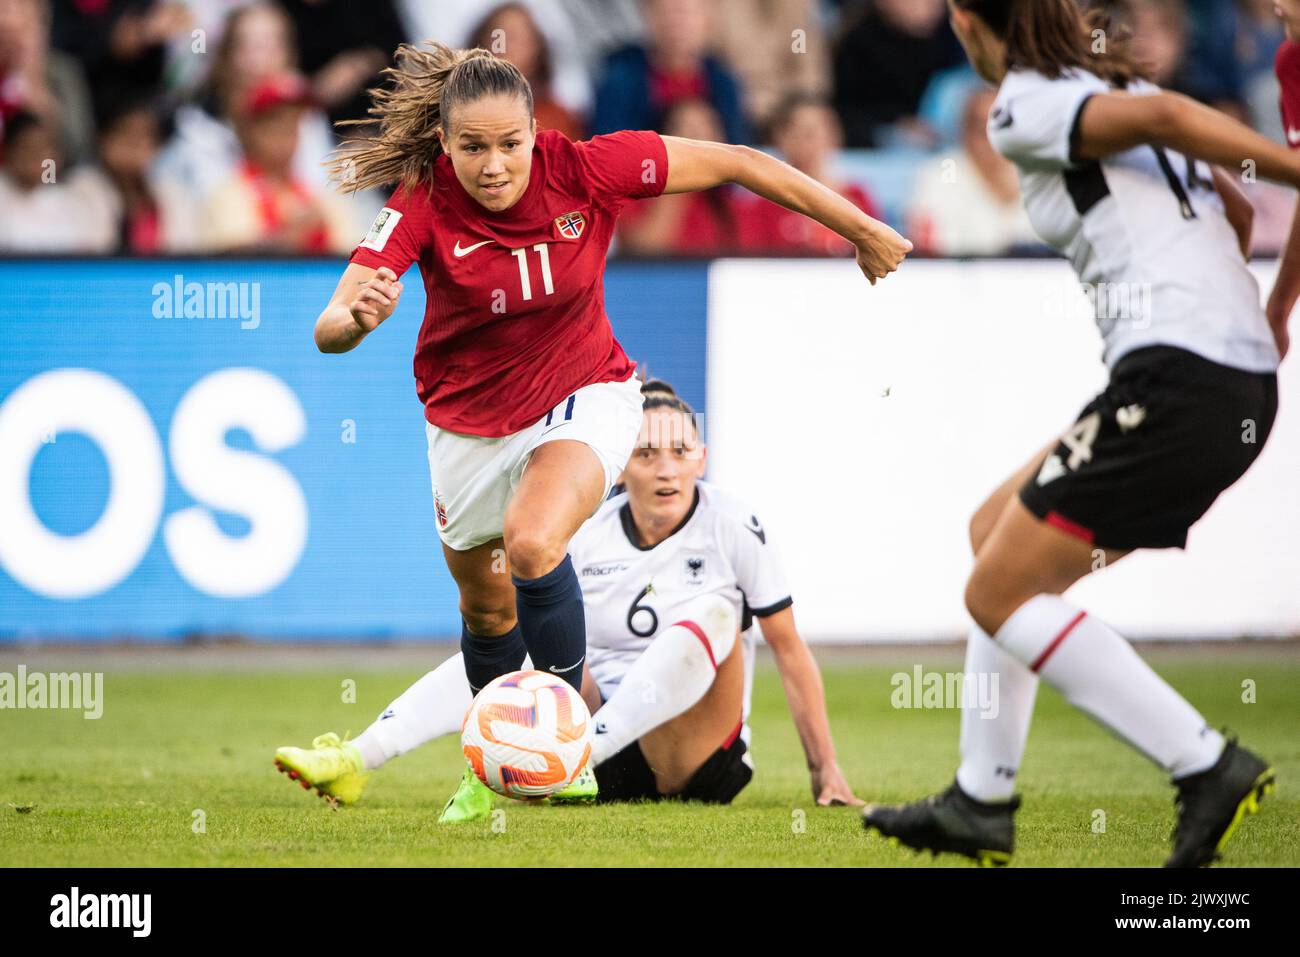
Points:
[(571, 225)]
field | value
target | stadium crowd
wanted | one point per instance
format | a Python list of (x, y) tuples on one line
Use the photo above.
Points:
[(146, 127)]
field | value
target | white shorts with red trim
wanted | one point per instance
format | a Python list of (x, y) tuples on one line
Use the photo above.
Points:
[(474, 476)]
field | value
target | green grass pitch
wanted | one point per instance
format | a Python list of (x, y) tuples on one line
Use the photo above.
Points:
[(178, 772)]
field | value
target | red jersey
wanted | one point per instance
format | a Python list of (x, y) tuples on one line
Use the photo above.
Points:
[(1287, 66), (514, 317)]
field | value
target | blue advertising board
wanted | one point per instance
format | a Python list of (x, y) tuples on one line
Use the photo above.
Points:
[(176, 458)]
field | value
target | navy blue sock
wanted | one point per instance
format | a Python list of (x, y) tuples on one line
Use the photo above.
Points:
[(553, 621), (489, 658)]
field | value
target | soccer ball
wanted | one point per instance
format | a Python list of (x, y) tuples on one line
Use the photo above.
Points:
[(527, 734)]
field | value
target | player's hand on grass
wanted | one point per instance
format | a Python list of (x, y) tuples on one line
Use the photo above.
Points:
[(831, 790), (881, 251), (376, 299)]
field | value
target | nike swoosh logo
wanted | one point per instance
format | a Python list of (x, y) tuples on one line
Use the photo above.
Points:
[(468, 249), (560, 671)]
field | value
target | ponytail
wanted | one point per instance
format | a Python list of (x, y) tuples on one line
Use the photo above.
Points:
[(426, 84)]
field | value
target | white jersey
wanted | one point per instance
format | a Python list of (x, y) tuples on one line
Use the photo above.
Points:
[(1144, 229), (630, 592)]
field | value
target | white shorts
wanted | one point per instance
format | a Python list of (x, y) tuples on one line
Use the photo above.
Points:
[(474, 477)]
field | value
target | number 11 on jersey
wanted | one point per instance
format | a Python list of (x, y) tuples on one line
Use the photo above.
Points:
[(545, 256)]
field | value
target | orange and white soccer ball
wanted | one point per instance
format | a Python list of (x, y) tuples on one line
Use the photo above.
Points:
[(527, 734)]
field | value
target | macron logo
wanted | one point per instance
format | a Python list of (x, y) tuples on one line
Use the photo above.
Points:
[(102, 910), (468, 249)]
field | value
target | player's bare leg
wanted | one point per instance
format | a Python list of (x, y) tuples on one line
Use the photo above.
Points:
[(560, 489), (987, 515), (676, 749)]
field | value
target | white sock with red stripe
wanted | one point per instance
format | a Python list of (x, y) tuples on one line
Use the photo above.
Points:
[(1101, 674), (672, 675), (993, 739), (433, 706)]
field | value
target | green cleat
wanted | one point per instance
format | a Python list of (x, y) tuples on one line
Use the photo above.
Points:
[(471, 802), (581, 790), (333, 767)]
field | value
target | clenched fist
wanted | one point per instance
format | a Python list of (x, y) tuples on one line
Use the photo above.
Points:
[(376, 299)]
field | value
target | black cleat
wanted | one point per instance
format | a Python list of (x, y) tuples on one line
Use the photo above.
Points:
[(1212, 803), (951, 821)]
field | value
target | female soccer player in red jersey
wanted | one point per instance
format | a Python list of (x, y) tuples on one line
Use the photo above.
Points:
[(531, 407), (678, 578)]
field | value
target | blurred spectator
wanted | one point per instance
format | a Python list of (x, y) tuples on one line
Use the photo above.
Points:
[(640, 84), (776, 47), (1160, 37), (1212, 69), (257, 42), (129, 209), (807, 132), (1259, 34), (882, 64), (510, 31), (605, 26), (342, 46), (967, 202), (38, 212), (708, 223), (1175, 49), (188, 56), (452, 22), (122, 44), (263, 206), (40, 80)]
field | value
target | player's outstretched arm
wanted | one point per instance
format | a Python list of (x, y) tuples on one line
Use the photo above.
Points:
[(1114, 122), (803, 690), (695, 165), (363, 299)]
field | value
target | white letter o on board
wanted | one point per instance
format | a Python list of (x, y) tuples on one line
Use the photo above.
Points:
[(79, 400)]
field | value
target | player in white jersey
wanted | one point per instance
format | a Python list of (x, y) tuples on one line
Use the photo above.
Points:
[(1123, 180), (677, 579), (662, 547)]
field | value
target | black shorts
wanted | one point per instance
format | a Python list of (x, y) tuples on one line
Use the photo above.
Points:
[(1151, 453), (627, 777)]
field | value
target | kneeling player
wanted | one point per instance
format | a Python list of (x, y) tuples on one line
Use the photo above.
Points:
[(673, 572)]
